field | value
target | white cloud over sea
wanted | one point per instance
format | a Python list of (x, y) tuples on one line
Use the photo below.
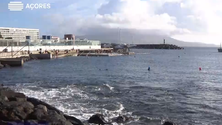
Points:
[(187, 20)]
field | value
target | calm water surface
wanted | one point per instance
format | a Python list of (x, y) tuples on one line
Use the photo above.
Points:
[(174, 89)]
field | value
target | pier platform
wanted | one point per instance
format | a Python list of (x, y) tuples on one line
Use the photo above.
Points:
[(40, 56), (62, 54), (13, 62), (99, 54)]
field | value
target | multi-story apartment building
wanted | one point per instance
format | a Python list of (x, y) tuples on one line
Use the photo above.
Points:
[(19, 33)]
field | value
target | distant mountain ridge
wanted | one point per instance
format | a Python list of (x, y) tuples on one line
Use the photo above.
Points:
[(133, 37)]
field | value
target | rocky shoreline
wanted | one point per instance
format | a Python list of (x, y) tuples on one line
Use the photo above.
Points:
[(18, 109)]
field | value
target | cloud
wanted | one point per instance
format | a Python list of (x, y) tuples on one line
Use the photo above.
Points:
[(125, 14), (176, 18), (137, 14), (109, 7), (205, 15)]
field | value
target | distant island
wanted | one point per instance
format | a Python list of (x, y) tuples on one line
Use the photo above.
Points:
[(138, 37)]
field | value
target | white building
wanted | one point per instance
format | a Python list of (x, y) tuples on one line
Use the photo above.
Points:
[(87, 42), (55, 39), (19, 33)]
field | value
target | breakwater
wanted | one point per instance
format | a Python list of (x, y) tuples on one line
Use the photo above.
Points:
[(156, 46)]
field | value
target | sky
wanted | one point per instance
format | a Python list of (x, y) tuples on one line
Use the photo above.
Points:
[(186, 20)]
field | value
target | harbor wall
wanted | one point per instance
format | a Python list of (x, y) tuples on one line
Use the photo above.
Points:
[(13, 62), (40, 56), (156, 46), (35, 48)]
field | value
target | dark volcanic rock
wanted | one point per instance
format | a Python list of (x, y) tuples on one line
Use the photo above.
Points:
[(168, 123), (11, 94), (29, 122), (38, 102), (17, 108), (97, 119), (17, 99), (38, 114), (122, 119), (19, 111), (73, 120), (57, 119), (3, 98), (42, 107), (8, 115)]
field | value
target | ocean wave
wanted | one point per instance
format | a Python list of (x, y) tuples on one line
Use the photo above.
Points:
[(72, 100)]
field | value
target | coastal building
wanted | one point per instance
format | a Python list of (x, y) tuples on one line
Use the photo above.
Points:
[(69, 37), (46, 37), (19, 33), (85, 42), (55, 39)]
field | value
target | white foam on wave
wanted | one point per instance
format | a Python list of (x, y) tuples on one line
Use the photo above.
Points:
[(58, 97), (110, 87), (71, 100)]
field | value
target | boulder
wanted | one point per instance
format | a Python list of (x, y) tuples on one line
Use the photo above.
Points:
[(97, 119), (42, 107), (13, 104), (15, 110), (28, 105), (168, 123), (17, 99), (122, 119), (19, 111), (38, 102), (17, 107), (6, 92), (38, 114), (8, 115), (3, 98), (56, 119), (73, 120), (11, 95)]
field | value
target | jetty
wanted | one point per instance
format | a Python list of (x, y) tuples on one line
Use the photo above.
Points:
[(156, 46), (100, 54), (14, 53), (17, 59)]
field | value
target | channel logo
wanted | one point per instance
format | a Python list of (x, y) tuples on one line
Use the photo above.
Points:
[(19, 6), (15, 6)]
